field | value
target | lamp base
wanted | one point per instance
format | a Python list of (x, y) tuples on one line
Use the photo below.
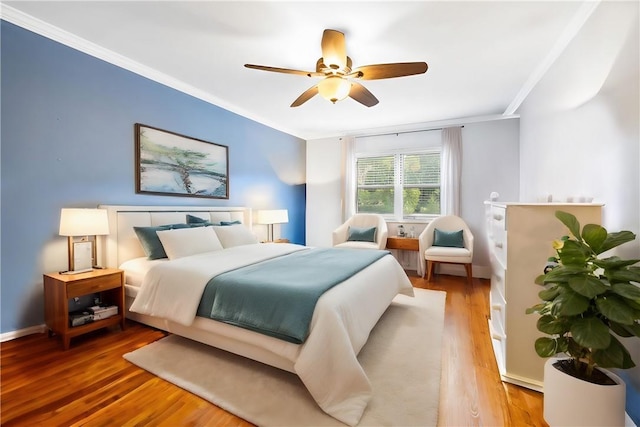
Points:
[(84, 270)]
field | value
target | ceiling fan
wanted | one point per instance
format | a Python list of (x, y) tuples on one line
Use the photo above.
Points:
[(339, 79)]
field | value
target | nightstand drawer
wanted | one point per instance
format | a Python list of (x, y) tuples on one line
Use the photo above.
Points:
[(403, 243), (95, 284)]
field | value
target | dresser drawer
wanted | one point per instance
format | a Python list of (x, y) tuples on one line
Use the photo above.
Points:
[(498, 240), (498, 280), (95, 284), (498, 307)]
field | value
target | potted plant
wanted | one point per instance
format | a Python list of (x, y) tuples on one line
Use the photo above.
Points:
[(587, 302)]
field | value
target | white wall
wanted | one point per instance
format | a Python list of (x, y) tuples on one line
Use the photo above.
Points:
[(579, 127), (490, 163), (579, 130), (324, 191)]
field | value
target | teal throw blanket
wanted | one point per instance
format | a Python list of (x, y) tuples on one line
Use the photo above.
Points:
[(277, 297)]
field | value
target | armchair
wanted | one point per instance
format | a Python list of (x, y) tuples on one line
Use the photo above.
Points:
[(342, 238), (449, 247)]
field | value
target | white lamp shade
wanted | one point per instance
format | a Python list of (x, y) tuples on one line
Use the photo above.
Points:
[(334, 88), (274, 216), (83, 222)]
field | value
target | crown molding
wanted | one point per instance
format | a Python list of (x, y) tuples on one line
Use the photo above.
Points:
[(35, 25), (569, 33)]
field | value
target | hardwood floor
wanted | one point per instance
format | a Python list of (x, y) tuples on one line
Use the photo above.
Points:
[(91, 384)]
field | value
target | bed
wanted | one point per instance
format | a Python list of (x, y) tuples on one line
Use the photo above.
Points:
[(326, 360)]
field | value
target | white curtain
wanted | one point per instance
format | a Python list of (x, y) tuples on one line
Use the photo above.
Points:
[(451, 170), (348, 178)]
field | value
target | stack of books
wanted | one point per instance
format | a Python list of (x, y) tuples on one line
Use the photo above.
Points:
[(91, 314), (102, 312), (79, 318)]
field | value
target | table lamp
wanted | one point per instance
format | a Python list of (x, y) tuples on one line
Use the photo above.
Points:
[(83, 223), (270, 217)]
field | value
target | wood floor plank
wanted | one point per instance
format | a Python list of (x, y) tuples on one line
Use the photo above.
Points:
[(92, 385)]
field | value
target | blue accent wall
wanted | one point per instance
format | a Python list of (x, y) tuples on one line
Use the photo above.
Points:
[(68, 141)]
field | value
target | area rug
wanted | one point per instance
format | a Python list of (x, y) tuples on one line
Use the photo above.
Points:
[(402, 359)]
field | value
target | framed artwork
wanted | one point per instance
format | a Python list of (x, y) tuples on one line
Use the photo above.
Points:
[(171, 164)]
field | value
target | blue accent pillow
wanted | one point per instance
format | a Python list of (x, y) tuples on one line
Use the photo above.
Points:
[(362, 234), (195, 221), (450, 239), (151, 242)]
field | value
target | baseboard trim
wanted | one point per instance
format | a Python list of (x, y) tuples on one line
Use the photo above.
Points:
[(8, 336)]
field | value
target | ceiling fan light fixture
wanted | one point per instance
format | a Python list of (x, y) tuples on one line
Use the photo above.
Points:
[(334, 88)]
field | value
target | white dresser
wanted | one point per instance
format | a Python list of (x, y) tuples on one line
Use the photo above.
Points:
[(519, 238)]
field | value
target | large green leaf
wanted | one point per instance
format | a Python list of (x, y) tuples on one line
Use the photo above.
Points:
[(616, 239), (545, 347), (552, 326), (616, 309), (570, 303), (570, 221), (587, 285), (633, 329), (536, 308), (614, 356), (621, 330), (590, 332), (563, 273), (625, 275), (549, 294), (594, 235), (574, 253), (627, 290), (615, 262)]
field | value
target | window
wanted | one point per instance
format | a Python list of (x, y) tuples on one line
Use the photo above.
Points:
[(400, 185)]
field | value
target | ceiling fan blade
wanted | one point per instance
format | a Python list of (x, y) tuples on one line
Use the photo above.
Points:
[(334, 51), (306, 95), (284, 70), (388, 71), (362, 95)]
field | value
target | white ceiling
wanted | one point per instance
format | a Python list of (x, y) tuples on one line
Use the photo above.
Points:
[(483, 56)]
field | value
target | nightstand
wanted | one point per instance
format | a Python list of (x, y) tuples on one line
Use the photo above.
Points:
[(59, 288)]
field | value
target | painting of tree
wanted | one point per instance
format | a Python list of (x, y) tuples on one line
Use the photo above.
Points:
[(172, 164)]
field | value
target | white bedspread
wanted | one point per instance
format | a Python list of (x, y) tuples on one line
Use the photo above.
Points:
[(344, 316)]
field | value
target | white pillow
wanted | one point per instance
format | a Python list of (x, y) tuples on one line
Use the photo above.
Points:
[(182, 242), (235, 235)]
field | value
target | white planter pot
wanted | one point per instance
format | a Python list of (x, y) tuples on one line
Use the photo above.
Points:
[(569, 401)]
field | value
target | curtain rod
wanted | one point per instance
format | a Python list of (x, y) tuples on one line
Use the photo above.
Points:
[(406, 131)]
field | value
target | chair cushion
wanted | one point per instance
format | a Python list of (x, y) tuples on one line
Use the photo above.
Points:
[(451, 239), (362, 234), (358, 245), (448, 254)]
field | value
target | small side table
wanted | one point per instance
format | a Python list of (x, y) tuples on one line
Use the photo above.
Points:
[(403, 243), (59, 288)]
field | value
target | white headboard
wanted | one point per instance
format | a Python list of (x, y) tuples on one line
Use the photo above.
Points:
[(122, 244)]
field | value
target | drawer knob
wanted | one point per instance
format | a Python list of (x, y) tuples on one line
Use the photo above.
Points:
[(497, 217), (498, 244)]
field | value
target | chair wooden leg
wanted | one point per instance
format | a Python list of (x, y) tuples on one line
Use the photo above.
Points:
[(430, 269), (469, 268)]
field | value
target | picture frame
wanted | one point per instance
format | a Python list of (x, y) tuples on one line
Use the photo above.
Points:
[(82, 256), (171, 164)]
